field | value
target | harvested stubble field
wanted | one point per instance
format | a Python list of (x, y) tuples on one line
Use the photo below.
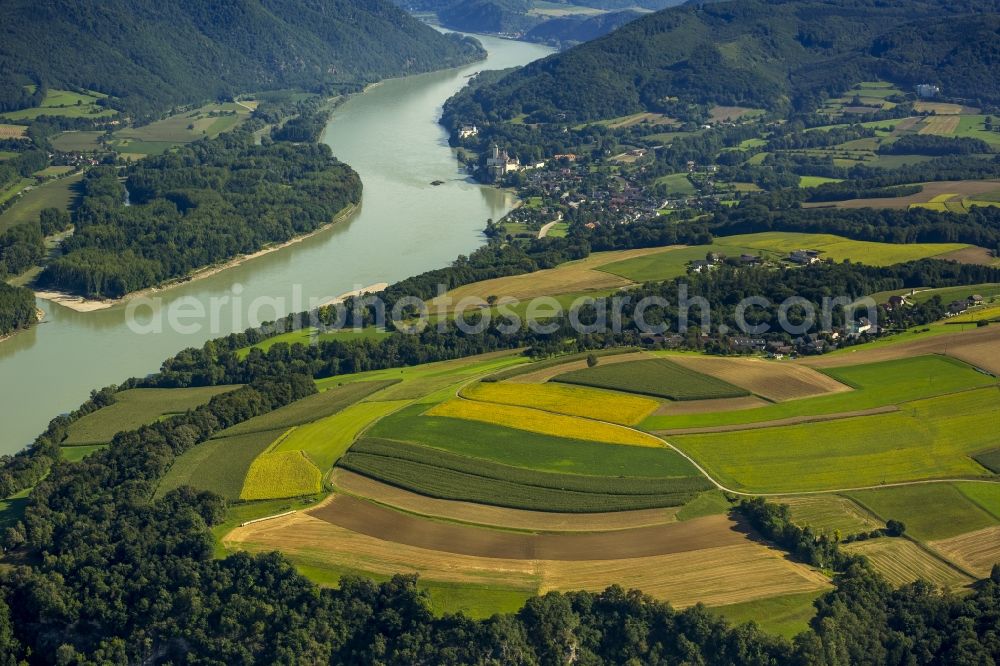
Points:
[(494, 516), (773, 380), (975, 551), (529, 450), (545, 423), (722, 574), (571, 400), (977, 347), (575, 276), (829, 513), (12, 131), (901, 561), (276, 475), (943, 125), (135, 408), (445, 537), (657, 377), (673, 408)]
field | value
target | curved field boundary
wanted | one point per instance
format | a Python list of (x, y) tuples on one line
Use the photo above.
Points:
[(384, 523), (543, 372), (482, 515), (582, 401), (770, 380), (792, 420)]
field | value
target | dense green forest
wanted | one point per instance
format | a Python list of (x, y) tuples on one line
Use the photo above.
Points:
[(151, 55), (771, 54), (17, 308), (205, 203)]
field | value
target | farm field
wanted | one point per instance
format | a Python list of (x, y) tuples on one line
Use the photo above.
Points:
[(310, 336), (571, 277), (657, 377), (443, 475), (60, 193), (12, 131), (495, 516), (925, 439), (901, 561), (543, 423), (903, 377), (571, 400), (975, 551), (529, 450), (77, 141), (326, 440), (932, 511), (786, 615), (740, 571), (279, 474), (774, 381), (78, 453), (12, 509), (206, 122), (975, 346), (219, 465), (66, 104), (137, 407), (830, 513), (310, 408), (932, 191), (986, 496), (539, 372)]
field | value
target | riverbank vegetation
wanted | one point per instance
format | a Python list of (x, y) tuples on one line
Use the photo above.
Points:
[(214, 200)]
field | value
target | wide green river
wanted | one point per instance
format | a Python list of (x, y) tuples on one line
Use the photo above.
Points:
[(404, 226)]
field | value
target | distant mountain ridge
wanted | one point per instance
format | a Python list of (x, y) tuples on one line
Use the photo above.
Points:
[(151, 54), (760, 53)]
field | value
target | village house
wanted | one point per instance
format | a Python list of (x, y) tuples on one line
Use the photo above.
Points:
[(467, 131), (804, 257)]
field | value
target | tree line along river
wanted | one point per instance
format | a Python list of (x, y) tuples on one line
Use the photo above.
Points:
[(404, 226)]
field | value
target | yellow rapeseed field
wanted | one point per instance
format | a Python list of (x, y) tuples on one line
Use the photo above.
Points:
[(546, 423), (281, 474), (563, 399)]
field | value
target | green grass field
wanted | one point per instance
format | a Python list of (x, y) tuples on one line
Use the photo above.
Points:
[(930, 511), (326, 440), (443, 475), (875, 385), (529, 450), (66, 104), (181, 128), (709, 503), (81, 141), (138, 407), (989, 459), (926, 439), (677, 184), (786, 615), (309, 409), (815, 181), (60, 193), (78, 453), (657, 377), (12, 509), (219, 465), (985, 495)]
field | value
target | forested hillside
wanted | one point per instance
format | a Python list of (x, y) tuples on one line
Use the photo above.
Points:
[(151, 55), (758, 53)]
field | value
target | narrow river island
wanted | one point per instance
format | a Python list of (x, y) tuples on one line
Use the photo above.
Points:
[(404, 226)]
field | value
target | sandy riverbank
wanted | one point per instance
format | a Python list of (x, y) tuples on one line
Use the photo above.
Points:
[(81, 304)]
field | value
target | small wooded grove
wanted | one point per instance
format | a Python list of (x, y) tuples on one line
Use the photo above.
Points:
[(17, 308), (197, 206)]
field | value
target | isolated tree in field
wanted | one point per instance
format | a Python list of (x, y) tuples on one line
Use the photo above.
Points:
[(591, 360), (895, 528)]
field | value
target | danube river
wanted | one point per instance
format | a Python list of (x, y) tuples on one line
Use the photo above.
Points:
[(404, 226)]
